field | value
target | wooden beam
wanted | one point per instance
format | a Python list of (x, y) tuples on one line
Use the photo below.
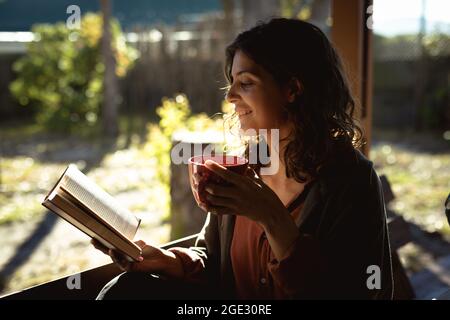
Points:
[(353, 40), (92, 281)]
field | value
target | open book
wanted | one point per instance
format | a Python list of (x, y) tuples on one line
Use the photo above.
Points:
[(81, 202)]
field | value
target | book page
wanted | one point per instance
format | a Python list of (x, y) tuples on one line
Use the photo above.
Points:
[(99, 201), (86, 211), (91, 227)]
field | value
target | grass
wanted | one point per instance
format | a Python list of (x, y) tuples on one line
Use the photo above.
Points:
[(27, 175), (32, 162), (19, 130), (20, 209), (124, 168), (420, 181), (24, 183)]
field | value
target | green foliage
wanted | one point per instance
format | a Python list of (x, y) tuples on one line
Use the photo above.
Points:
[(61, 75), (175, 115), (295, 9), (437, 44)]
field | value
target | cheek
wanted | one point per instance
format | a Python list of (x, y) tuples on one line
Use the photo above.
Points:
[(270, 112), (267, 105), (265, 116)]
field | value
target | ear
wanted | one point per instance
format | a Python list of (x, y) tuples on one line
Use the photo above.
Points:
[(294, 89)]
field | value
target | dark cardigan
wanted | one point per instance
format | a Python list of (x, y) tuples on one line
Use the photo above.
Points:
[(343, 224)]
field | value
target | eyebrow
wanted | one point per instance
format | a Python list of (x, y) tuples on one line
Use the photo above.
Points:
[(251, 71)]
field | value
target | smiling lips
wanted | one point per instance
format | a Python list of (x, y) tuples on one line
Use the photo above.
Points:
[(243, 112)]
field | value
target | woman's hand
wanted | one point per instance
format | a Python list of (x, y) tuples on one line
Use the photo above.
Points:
[(152, 260), (249, 196), (246, 195)]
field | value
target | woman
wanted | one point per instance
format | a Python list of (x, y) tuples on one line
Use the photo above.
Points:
[(314, 229)]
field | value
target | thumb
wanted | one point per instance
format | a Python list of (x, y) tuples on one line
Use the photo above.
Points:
[(140, 243), (251, 173)]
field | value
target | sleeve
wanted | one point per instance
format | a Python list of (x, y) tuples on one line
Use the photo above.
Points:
[(201, 262), (292, 274), (350, 238), (192, 262), (354, 240)]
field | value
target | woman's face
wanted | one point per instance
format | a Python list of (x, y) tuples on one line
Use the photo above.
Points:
[(257, 98)]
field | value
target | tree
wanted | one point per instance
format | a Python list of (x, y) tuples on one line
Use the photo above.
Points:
[(110, 86), (314, 11), (228, 21), (61, 75)]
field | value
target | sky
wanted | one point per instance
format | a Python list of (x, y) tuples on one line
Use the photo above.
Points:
[(392, 17), (19, 15)]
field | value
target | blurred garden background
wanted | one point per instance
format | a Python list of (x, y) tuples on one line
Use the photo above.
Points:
[(112, 99)]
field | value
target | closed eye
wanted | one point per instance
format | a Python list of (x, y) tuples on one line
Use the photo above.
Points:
[(245, 85)]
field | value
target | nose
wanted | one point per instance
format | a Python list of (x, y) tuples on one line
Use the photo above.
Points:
[(231, 95)]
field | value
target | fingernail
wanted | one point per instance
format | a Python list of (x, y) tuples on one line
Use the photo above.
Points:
[(140, 259)]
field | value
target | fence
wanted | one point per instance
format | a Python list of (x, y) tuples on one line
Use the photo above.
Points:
[(412, 82), (185, 58), (411, 85), (176, 61)]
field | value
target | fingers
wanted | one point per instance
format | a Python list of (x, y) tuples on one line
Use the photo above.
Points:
[(99, 246), (251, 173), (115, 256), (196, 181), (141, 243), (221, 201), (220, 210), (223, 172), (196, 178), (203, 207), (220, 191), (120, 260), (222, 196)]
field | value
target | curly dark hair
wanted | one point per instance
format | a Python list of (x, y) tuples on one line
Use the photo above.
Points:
[(323, 111)]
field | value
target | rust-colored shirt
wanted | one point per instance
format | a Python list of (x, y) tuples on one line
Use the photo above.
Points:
[(257, 273), (254, 265)]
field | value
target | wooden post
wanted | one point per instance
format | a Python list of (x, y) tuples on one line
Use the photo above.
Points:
[(186, 218), (110, 85), (353, 39)]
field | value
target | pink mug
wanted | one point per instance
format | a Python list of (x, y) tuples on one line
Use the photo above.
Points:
[(200, 175)]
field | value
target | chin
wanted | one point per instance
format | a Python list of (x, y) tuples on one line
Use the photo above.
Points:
[(247, 126), (249, 123)]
